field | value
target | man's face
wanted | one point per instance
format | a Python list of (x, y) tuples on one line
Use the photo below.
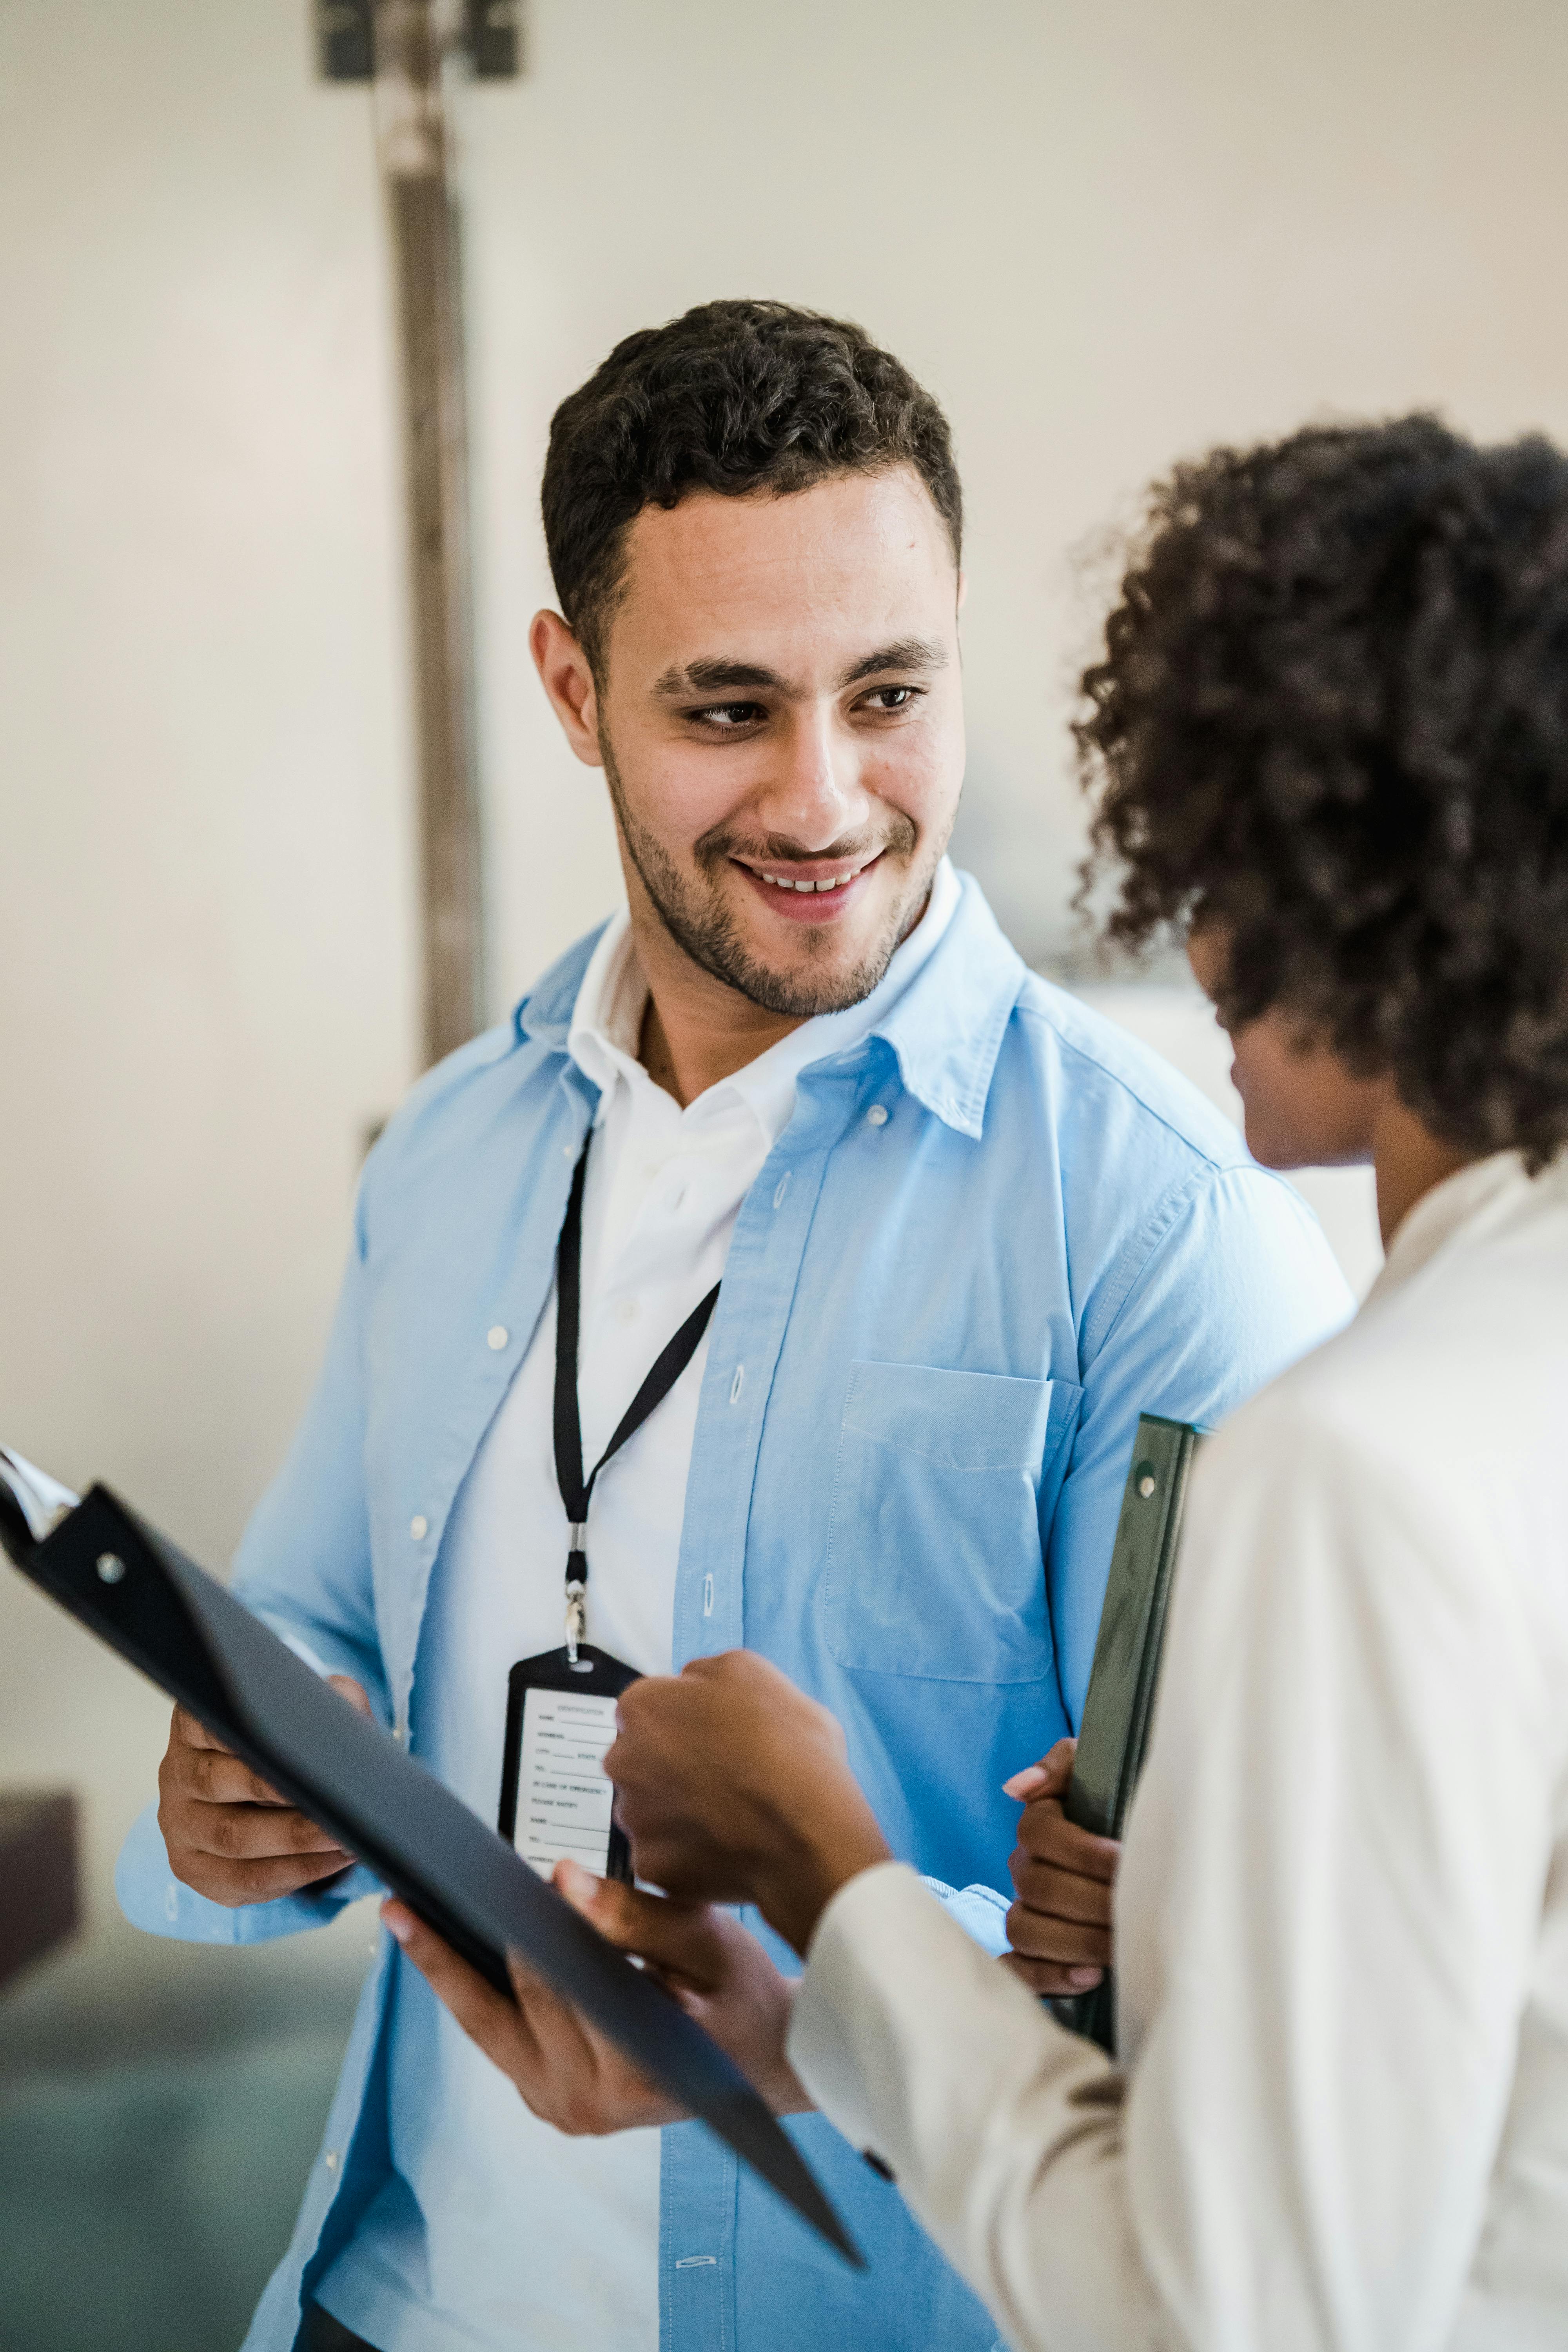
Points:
[(781, 723)]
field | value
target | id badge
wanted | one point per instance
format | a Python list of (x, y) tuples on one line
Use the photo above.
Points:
[(555, 1801)]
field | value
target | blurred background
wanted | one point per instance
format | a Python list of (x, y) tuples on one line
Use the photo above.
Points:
[(1103, 235)]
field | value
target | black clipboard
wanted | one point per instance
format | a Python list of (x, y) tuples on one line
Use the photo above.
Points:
[(137, 1591), (1117, 1711)]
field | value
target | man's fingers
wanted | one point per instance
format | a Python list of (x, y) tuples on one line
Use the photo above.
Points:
[(1048, 1778), (1064, 1893), (203, 1765), (552, 2023), (186, 1732), (215, 1777), (355, 1692), (236, 1884), (255, 1834), (484, 2014)]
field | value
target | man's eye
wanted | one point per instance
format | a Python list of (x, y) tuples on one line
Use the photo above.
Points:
[(725, 718), (893, 697)]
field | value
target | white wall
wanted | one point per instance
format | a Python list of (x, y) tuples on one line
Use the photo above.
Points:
[(1103, 235)]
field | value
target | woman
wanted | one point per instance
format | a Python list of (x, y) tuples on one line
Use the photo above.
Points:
[(1329, 740)]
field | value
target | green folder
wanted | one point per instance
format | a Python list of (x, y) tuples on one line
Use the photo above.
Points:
[(1121, 1701)]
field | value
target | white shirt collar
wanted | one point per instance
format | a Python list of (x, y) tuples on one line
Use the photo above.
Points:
[(606, 1021), (1475, 1199)]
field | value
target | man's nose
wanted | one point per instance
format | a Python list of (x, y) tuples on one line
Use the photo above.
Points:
[(814, 793)]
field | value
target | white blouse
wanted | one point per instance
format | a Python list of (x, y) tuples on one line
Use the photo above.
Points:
[(1342, 2118)]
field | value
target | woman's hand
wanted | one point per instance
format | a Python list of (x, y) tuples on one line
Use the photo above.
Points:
[(734, 1788), (1059, 1927)]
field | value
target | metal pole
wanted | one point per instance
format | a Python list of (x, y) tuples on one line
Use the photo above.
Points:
[(412, 45)]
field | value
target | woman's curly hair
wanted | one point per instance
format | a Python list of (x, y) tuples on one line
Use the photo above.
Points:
[(1331, 717)]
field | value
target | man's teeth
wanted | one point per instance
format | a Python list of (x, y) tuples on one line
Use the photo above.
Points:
[(834, 882)]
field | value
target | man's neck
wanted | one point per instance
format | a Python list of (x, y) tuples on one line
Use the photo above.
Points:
[(697, 1031)]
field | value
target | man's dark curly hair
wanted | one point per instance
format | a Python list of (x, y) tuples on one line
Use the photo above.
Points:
[(1332, 718), (734, 397)]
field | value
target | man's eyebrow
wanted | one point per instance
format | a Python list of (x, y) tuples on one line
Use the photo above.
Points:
[(714, 674), (904, 653)]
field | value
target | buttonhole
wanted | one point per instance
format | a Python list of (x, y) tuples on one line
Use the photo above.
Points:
[(708, 1596), (737, 1384)]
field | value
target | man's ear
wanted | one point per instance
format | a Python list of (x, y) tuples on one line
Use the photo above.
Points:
[(568, 680), (962, 589)]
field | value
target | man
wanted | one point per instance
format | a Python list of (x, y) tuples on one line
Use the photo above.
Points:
[(964, 1235), (1341, 2124)]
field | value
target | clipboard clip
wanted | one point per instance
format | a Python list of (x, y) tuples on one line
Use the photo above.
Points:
[(32, 1505)]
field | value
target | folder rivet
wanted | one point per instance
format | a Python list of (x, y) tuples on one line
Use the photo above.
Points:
[(110, 1567), (1146, 1486)]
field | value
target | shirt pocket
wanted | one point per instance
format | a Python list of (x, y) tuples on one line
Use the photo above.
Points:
[(934, 1550)]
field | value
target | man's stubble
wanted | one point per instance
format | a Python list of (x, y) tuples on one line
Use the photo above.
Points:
[(707, 931)]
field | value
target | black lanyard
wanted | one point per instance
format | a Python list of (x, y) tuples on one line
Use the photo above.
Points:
[(577, 1491)]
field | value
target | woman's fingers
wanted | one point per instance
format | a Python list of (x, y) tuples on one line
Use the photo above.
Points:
[(1046, 1777), (682, 1940), (1042, 1936), (1049, 1978), (1062, 1894)]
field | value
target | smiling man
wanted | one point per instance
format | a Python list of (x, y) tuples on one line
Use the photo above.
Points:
[(846, 1248)]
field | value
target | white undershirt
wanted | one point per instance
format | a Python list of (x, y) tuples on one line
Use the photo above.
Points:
[(496, 2230)]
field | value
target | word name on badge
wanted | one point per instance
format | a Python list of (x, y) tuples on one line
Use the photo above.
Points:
[(563, 1800)]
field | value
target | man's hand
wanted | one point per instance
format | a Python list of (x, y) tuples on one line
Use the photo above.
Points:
[(228, 1834), (565, 2071), (732, 1787), (1059, 1927)]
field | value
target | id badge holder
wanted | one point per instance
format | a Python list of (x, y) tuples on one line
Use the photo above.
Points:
[(555, 1801)]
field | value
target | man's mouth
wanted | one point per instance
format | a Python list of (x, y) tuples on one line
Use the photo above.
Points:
[(809, 889)]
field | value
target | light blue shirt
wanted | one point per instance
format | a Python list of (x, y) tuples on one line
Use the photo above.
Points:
[(994, 1231)]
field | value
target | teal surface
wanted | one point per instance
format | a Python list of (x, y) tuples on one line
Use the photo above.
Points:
[(156, 2125)]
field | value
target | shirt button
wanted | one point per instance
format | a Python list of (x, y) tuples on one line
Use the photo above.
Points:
[(419, 1526), (628, 1310), (497, 1336), (877, 1115), (331, 2160)]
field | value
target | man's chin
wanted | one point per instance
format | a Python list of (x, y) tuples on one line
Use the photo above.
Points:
[(801, 988), (795, 969), (801, 968)]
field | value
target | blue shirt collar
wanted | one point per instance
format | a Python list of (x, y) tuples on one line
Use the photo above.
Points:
[(945, 1030)]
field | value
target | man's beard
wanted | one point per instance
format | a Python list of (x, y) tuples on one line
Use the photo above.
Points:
[(708, 932)]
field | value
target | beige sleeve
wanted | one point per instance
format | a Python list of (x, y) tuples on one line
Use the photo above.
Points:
[(923, 2049), (1328, 1917)]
